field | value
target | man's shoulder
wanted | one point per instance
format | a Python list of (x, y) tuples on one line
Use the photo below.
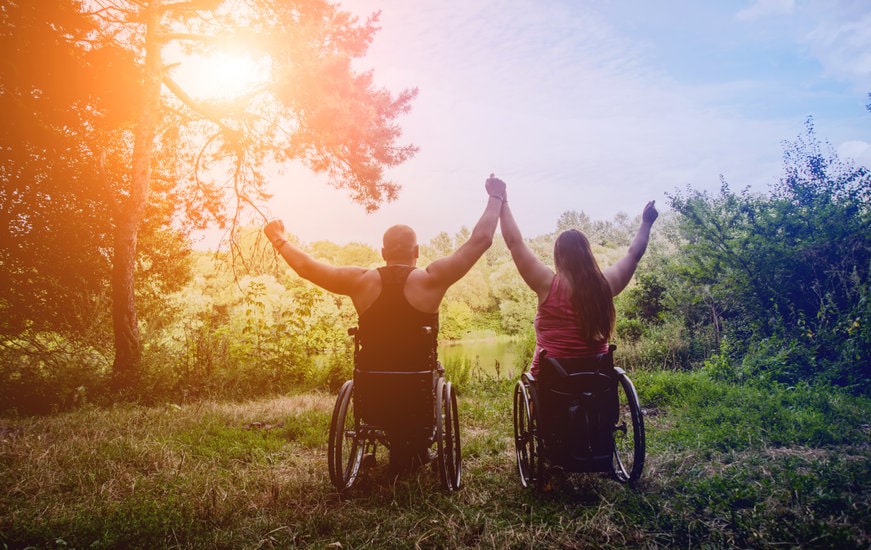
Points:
[(421, 275)]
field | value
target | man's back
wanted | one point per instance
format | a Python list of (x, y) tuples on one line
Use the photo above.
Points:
[(391, 330)]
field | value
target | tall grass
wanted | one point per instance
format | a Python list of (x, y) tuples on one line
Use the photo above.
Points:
[(727, 466)]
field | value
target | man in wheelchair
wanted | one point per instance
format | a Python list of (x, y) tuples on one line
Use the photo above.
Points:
[(395, 301)]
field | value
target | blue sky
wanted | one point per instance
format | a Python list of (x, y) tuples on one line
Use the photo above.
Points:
[(595, 106)]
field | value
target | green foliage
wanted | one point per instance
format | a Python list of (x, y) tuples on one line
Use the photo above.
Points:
[(455, 320), (357, 254), (63, 99), (612, 234), (458, 371), (339, 367), (517, 303), (669, 346), (629, 330), (722, 293), (789, 272), (44, 373)]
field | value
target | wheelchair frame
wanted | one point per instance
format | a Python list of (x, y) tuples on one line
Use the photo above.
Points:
[(535, 449), (352, 437)]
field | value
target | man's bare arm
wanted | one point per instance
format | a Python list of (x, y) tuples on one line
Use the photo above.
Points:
[(340, 280), (444, 272)]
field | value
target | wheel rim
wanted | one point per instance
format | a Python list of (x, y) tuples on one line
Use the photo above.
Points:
[(345, 452), (629, 439), (524, 435), (442, 414), (452, 438)]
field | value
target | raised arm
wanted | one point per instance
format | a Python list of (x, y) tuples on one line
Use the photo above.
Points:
[(444, 272), (533, 271), (340, 280), (619, 274)]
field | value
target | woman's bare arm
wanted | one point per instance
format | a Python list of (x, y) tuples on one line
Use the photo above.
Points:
[(619, 274)]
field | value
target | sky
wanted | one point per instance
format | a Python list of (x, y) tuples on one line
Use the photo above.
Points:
[(594, 106)]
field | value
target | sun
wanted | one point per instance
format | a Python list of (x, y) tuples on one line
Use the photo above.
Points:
[(221, 75)]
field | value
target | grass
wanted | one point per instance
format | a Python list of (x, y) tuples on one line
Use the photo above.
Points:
[(727, 466)]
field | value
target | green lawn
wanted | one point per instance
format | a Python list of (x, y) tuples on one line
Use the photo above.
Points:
[(727, 466)]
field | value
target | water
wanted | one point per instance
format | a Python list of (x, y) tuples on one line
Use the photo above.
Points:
[(496, 356)]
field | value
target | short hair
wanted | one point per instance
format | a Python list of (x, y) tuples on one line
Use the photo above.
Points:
[(399, 243)]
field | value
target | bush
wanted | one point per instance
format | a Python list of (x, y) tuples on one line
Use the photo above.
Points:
[(46, 373), (786, 275)]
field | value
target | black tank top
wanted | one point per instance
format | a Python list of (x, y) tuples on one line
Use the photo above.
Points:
[(390, 331)]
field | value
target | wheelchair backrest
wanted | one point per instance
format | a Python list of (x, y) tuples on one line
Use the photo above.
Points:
[(396, 401), (394, 385), (578, 403), (412, 349)]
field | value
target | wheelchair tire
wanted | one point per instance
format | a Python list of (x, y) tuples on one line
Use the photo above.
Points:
[(344, 452), (629, 439), (527, 442), (452, 439), (447, 436)]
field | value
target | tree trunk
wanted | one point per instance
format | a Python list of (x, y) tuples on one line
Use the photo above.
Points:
[(126, 368), (128, 349)]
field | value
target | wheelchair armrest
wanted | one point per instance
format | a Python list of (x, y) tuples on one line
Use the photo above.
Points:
[(425, 330), (398, 373)]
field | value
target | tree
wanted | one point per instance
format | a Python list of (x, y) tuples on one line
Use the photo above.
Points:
[(358, 254), (60, 100), (212, 153), (789, 271), (572, 219), (617, 233)]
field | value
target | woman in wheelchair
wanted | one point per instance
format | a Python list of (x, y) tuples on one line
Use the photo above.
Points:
[(573, 324)]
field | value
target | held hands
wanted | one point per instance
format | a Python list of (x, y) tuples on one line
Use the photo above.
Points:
[(649, 214), (496, 188), (274, 230)]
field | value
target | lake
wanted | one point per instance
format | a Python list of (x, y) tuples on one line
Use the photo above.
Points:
[(497, 356), (491, 356)]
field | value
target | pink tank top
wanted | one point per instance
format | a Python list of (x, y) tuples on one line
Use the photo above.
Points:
[(556, 329)]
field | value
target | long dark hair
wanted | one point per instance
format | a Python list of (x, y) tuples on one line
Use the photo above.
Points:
[(591, 294)]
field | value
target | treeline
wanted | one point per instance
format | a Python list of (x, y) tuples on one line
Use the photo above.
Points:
[(240, 323), (770, 288)]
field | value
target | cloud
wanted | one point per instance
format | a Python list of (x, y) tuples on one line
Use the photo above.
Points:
[(856, 150), (843, 47), (595, 109), (766, 8)]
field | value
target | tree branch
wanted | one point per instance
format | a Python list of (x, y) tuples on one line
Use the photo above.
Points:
[(208, 111)]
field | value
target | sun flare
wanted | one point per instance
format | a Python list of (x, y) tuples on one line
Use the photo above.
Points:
[(222, 75)]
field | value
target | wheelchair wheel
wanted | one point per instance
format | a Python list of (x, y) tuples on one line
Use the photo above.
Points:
[(448, 436), (527, 444), (629, 442), (452, 438), (344, 452)]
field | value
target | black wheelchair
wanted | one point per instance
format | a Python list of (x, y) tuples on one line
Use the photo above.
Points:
[(580, 414), (402, 413)]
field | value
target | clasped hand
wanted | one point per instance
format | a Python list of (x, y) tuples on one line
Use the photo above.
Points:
[(495, 187)]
